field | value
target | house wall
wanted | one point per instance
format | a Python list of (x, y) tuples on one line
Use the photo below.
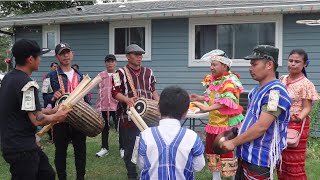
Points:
[(306, 37), (170, 50)]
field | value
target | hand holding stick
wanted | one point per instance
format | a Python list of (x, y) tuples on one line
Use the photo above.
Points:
[(135, 121), (136, 118), (77, 94)]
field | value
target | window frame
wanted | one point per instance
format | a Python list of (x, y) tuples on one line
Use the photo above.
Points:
[(45, 30), (193, 22), (129, 24)]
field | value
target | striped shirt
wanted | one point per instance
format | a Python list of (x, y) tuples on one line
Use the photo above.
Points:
[(144, 83), (170, 152), (266, 150)]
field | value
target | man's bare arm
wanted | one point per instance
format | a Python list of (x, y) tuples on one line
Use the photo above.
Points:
[(196, 97), (210, 108), (255, 131), (129, 101), (38, 118), (155, 95), (48, 111)]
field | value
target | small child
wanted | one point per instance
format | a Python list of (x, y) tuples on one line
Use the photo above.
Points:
[(170, 151)]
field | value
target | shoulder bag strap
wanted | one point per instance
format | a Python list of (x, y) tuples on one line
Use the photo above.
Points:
[(129, 77), (61, 83), (303, 123)]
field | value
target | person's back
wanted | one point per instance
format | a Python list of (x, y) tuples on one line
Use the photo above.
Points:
[(170, 151), (173, 158)]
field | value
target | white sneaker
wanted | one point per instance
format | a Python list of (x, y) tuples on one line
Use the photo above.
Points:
[(121, 153), (102, 152)]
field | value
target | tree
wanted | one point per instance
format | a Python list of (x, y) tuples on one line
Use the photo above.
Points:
[(4, 47), (13, 8)]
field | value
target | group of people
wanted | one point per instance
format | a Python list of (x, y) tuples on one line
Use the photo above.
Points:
[(167, 151)]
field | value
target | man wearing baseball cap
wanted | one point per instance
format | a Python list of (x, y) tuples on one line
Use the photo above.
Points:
[(21, 113), (262, 135), (107, 105), (63, 81), (222, 95), (143, 85)]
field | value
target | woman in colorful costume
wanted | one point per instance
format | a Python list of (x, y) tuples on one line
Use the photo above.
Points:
[(222, 95)]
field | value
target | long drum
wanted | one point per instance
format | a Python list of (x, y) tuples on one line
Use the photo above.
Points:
[(148, 110), (84, 118)]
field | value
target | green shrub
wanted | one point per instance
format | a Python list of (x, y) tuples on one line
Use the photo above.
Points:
[(314, 116)]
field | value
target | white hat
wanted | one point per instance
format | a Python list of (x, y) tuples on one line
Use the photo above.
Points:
[(217, 55)]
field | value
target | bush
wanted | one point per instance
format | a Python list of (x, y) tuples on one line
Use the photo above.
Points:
[(314, 120), (314, 115)]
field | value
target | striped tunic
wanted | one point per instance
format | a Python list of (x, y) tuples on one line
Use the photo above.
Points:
[(266, 150), (169, 161), (144, 83)]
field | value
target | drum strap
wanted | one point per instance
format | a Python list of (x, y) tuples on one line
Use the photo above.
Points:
[(130, 80), (61, 83)]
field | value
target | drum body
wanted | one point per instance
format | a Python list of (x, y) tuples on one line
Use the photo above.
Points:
[(148, 110), (84, 118)]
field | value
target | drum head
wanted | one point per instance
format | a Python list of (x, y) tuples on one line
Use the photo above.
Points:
[(61, 99), (141, 107)]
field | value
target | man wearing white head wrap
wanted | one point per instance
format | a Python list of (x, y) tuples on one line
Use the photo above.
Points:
[(222, 94), (217, 55)]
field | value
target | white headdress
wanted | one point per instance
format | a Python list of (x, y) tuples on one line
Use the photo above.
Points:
[(217, 55)]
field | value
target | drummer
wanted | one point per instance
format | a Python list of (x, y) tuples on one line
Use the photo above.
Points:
[(63, 81), (20, 113), (143, 82), (222, 94)]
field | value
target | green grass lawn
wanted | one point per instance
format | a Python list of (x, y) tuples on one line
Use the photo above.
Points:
[(112, 166)]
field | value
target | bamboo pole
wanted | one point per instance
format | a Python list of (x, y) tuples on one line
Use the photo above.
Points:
[(79, 89), (138, 117), (84, 91), (79, 92), (136, 122), (43, 131)]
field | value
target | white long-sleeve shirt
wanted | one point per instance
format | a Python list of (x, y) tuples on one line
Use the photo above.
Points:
[(174, 151)]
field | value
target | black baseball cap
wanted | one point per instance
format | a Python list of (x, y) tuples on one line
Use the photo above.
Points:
[(62, 46), (264, 52), (110, 57), (25, 48)]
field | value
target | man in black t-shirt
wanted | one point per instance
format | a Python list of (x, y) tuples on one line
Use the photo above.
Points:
[(20, 113)]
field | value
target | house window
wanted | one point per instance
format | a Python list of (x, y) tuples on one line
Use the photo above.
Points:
[(237, 36), (126, 36), (50, 38), (123, 34)]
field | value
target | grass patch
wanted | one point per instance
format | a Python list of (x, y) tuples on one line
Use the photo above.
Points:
[(112, 166)]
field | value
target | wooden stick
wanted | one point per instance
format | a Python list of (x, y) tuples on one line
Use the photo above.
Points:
[(44, 130), (85, 91), (77, 94), (85, 81), (136, 122), (138, 117)]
